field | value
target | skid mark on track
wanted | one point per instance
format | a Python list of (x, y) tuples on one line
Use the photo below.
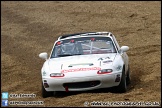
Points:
[(32, 31), (143, 50), (13, 17), (25, 56)]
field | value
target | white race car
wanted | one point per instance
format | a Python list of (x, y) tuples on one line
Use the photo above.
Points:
[(85, 61)]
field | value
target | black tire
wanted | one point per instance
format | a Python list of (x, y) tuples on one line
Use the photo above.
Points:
[(45, 94), (128, 79), (122, 87)]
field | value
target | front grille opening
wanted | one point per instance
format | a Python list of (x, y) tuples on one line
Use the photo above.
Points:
[(77, 85)]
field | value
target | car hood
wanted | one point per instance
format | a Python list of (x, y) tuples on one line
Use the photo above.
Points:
[(95, 61)]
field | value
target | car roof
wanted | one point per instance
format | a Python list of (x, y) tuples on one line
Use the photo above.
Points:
[(84, 34)]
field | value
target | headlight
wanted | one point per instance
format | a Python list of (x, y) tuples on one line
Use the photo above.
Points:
[(104, 71), (57, 75)]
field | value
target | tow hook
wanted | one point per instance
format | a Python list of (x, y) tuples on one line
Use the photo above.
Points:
[(66, 89)]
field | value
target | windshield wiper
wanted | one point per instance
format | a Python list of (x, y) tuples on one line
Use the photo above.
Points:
[(63, 55), (77, 54)]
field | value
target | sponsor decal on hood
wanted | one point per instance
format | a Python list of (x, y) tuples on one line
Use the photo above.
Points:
[(80, 69)]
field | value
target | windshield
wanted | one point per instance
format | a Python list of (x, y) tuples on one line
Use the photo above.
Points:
[(83, 46)]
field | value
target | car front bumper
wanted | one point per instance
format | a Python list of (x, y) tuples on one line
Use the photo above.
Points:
[(87, 83)]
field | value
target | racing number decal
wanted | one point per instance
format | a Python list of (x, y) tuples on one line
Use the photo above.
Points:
[(81, 69)]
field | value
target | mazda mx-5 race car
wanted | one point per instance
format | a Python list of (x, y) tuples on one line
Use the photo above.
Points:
[(85, 61)]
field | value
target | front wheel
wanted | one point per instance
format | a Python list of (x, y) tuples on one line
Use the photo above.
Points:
[(128, 79), (45, 93), (122, 87)]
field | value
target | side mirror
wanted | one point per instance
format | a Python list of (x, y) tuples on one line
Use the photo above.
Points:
[(124, 48), (43, 55)]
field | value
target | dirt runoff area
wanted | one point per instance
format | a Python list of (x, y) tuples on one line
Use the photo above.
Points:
[(31, 27)]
